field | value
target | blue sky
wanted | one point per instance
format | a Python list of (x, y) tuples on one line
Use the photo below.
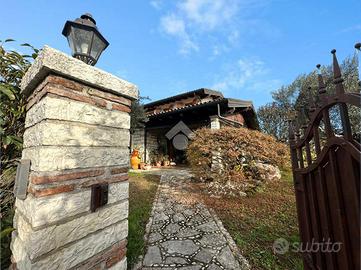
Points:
[(244, 48)]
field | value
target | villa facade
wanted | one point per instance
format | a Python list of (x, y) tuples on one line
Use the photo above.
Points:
[(172, 120)]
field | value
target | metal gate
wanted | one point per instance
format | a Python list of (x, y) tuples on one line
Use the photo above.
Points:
[(326, 170)]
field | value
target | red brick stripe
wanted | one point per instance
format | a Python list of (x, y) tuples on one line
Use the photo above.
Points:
[(105, 258), (120, 107), (51, 178), (65, 82), (109, 97), (54, 89), (119, 170), (50, 191), (60, 86)]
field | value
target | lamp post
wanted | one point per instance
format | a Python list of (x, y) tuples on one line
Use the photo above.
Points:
[(84, 38)]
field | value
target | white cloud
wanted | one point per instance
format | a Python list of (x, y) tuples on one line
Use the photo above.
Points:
[(175, 26), (246, 74), (233, 37), (191, 18), (208, 14), (157, 4), (215, 22), (218, 49)]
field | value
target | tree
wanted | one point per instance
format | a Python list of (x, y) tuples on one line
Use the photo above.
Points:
[(294, 99), (272, 120), (13, 66), (137, 114)]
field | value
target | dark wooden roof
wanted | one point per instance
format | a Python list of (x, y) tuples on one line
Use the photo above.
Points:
[(198, 92), (203, 101)]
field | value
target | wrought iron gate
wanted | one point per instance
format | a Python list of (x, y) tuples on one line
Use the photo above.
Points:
[(326, 170)]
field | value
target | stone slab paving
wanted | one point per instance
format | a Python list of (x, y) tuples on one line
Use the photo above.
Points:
[(183, 234)]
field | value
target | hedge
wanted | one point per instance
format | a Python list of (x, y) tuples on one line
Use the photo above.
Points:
[(239, 150)]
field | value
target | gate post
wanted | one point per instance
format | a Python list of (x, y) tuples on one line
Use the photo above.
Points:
[(76, 138)]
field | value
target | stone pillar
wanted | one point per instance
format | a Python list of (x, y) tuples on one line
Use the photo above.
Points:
[(216, 165), (77, 138), (215, 124)]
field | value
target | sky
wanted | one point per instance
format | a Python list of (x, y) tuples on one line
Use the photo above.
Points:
[(244, 48)]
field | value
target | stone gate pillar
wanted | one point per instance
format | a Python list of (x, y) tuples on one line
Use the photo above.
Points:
[(75, 212)]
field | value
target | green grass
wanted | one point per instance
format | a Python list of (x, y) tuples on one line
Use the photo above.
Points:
[(255, 222), (142, 189)]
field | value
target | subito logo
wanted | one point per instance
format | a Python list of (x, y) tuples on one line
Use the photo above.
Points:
[(280, 246), (180, 135)]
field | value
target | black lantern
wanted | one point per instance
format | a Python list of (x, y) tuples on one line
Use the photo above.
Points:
[(84, 39)]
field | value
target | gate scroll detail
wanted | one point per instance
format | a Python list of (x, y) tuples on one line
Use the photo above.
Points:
[(326, 171)]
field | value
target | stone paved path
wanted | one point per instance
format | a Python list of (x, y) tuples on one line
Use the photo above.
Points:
[(184, 234)]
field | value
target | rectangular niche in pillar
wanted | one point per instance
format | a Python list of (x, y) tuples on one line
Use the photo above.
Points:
[(99, 196)]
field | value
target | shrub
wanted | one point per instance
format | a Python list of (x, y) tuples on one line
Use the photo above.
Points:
[(238, 150), (13, 66)]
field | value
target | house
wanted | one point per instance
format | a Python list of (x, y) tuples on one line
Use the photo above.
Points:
[(172, 120)]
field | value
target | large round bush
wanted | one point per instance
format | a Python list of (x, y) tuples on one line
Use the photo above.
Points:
[(234, 156)]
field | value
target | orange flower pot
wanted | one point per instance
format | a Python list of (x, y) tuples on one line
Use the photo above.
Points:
[(135, 160)]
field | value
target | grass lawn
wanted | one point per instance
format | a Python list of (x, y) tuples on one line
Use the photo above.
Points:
[(256, 221), (142, 189)]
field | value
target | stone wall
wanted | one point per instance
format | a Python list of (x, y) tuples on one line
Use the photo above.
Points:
[(145, 141), (137, 141), (152, 144), (77, 136)]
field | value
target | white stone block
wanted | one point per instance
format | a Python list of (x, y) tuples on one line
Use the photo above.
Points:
[(62, 133), (74, 253), (50, 209), (19, 253), (56, 236), (118, 191), (53, 158), (75, 111), (54, 61)]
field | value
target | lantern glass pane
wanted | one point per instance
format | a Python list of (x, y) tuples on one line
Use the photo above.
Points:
[(81, 39), (71, 41), (98, 47)]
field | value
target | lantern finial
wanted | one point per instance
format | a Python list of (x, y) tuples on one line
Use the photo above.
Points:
[(85, 40)]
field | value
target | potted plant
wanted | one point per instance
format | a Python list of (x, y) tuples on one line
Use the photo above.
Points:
[(154, 158), (166, 160)]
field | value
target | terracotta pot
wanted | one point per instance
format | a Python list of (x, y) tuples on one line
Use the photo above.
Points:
[(135, 160), (159, 164), (166, 163)]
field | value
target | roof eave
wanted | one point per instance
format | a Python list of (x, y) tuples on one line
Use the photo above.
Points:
[(204, 91)]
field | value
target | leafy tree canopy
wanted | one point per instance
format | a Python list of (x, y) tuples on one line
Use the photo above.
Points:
[(294, 100), (137, 115), (13, 66)]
